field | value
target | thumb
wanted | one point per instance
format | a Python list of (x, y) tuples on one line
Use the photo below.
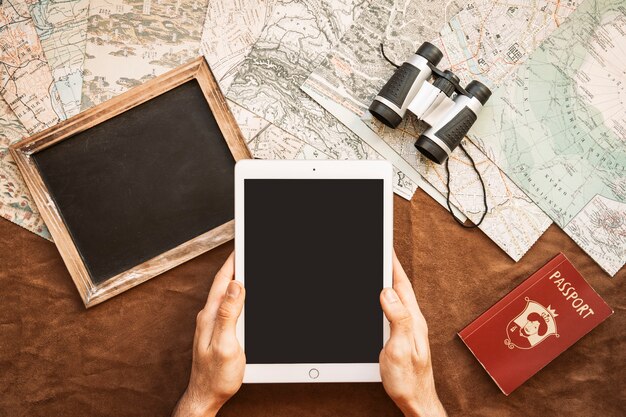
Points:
[(228, 313), (398, 315)]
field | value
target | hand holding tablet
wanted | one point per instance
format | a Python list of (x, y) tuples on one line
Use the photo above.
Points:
[(219, 360), (405, 365), (217, 374)]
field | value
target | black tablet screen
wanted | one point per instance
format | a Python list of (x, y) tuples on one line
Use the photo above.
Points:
[(313, 270)]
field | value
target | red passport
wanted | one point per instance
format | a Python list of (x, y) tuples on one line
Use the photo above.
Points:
[(534, 323)]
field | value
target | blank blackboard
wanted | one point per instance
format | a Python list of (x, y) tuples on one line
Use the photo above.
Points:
[(142, 182), (136, 186)]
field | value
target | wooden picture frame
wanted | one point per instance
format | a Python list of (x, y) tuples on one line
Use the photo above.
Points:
[(24, 151)]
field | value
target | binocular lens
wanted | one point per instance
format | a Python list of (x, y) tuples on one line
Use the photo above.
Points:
[(437, 143), (430, 150), (479, 90), (430, 52), (385, 114)]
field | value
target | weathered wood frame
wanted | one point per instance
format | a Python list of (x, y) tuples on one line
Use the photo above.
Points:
[(23, 151)]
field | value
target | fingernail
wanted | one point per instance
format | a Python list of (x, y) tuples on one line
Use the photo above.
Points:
[(233, 290), (390, 295)]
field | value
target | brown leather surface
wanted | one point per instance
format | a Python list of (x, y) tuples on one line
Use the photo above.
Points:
[(131, 355)]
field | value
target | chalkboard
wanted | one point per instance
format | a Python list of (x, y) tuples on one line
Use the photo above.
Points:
[(155, 174)]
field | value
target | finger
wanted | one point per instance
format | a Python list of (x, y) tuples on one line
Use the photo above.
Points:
[(398, 315), (225, 331), (404, 288), (206, 317), (221, 280), (402, 284)]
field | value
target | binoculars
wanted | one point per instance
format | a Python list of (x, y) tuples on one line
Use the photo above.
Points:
[(449, 118)]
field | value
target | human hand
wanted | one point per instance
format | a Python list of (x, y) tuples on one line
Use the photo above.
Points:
[(405, 365), (218, 359)]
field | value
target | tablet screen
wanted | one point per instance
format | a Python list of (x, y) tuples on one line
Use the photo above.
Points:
[(313, 270)]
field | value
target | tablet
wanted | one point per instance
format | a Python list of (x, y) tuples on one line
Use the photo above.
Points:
[(313, 247)]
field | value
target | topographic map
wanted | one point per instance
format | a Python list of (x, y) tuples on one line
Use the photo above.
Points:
[(558, 129), (132, 41), (352, 75), (16, 203), (488, 40), (26, 80), (62, 30), (30, 102), (231, 29), (293, 42), (274, 143)]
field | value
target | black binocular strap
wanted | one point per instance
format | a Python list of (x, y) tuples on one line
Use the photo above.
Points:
[(482, 183), (382, 51)]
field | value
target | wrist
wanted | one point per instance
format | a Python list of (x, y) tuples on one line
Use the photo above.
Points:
[(429, 408), (191, 406)]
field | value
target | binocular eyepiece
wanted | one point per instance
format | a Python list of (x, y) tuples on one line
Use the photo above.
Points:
[(449, 118)]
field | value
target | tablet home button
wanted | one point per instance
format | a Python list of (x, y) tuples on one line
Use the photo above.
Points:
[(314, 373)]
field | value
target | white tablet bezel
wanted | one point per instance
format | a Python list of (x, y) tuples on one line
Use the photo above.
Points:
[(257, 169)]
